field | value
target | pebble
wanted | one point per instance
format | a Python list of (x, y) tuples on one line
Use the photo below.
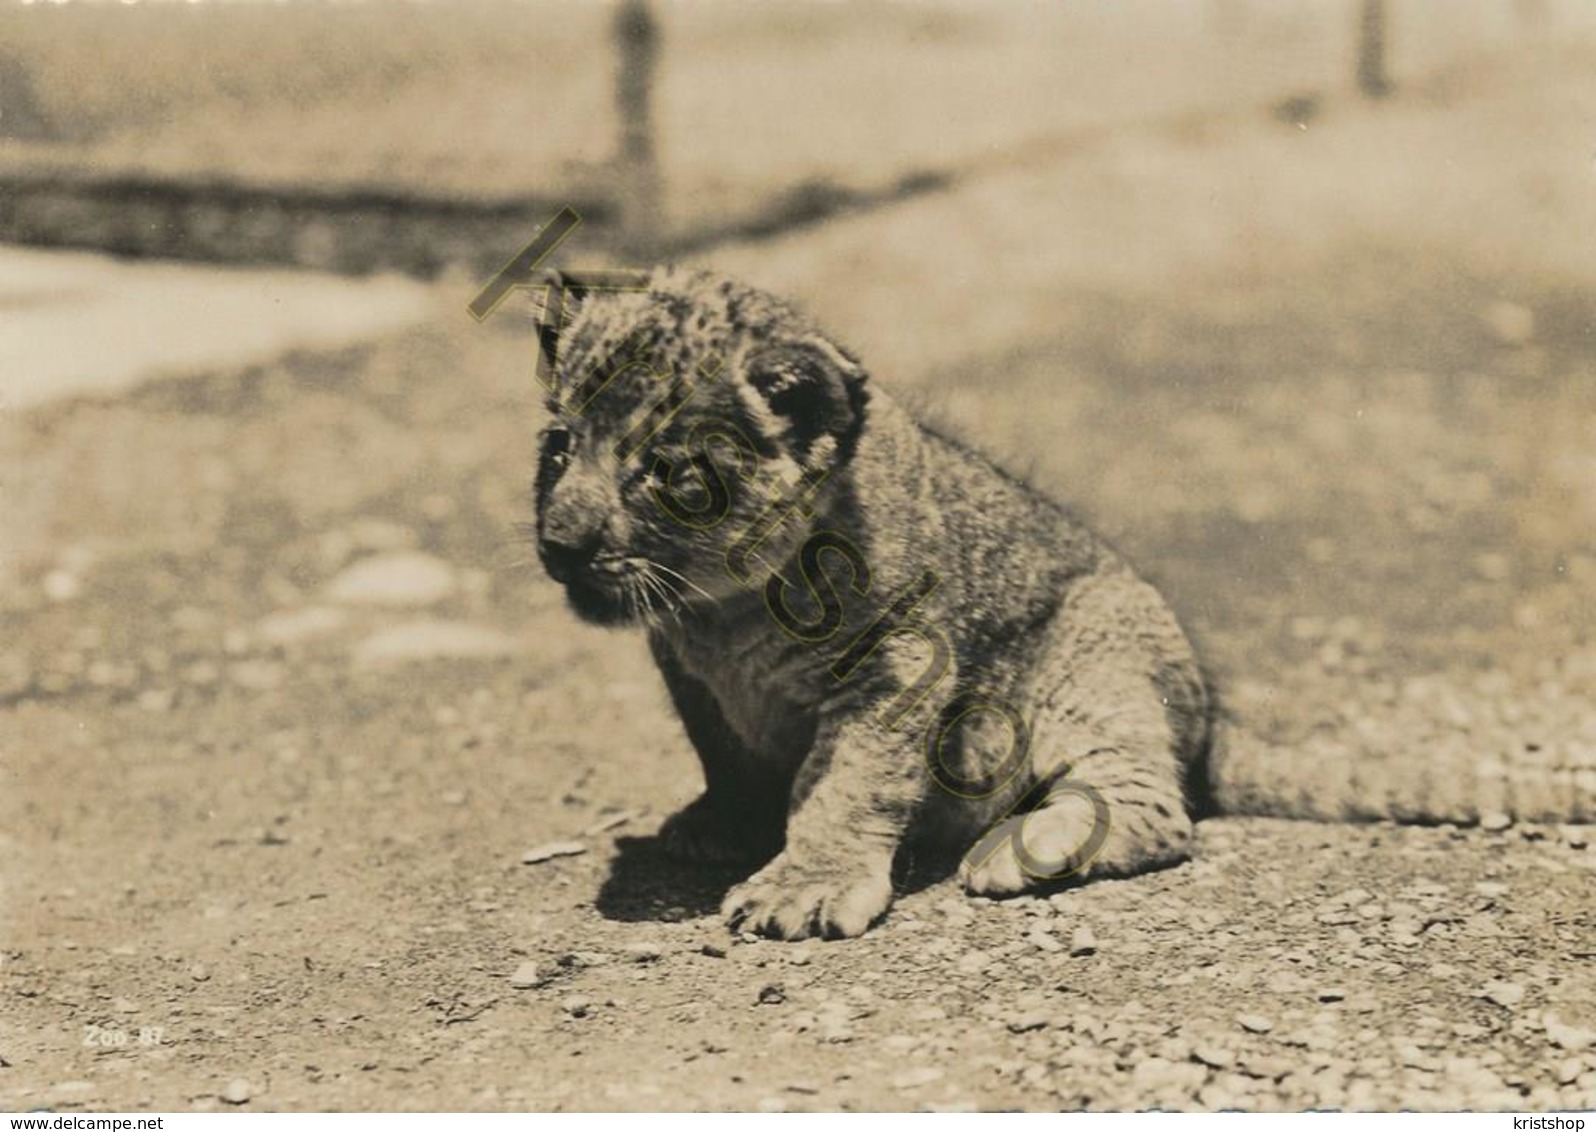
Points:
[(772, 994), (431, 639), (1568, 1070), (1496, 821), (1572, 1038), (237, 1091), (61, 585), (157, 699), (1254, 1023), (917, 1078), (1042, 941), (1330, 994), (294, 626), (1082, 941), (1414, 1058), (1160, 1073), (198, 973), (257, 675), (576, 1005), (1510, 323), (1216, 1057), (1266, 1067), (1577, 836), (644, 952), (1025, 1023), (528, 976), (404, 577), (1503, 993), (552, 850)]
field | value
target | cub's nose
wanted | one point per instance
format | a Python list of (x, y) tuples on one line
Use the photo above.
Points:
[(566, 556)]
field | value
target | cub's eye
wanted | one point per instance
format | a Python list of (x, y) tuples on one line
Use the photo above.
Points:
[(557, 447)]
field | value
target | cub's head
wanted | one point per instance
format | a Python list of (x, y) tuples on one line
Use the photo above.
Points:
[(682, 409)]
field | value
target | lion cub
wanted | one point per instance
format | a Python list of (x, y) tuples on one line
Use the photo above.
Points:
[(874, 637)]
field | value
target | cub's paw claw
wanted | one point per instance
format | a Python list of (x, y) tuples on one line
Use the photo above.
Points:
[(788, 901), (702, 835)]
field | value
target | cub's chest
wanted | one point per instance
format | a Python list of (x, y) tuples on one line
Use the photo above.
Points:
[(768, 686)]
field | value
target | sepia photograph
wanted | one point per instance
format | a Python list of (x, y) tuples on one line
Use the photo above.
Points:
[(797, 556)]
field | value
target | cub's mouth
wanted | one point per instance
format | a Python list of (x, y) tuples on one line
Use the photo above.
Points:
[(621, 589), (602, 590)]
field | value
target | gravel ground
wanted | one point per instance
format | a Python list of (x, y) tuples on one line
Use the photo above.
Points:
[(287, 709), (316, 797)]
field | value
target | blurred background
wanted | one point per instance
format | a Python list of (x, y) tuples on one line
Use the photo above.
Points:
[(1295, 301), (365, 134)]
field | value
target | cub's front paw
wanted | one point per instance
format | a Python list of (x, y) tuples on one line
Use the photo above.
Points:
[(788, 900), (706, 834)]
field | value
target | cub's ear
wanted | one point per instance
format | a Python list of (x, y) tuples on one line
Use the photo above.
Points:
[(815, 393)]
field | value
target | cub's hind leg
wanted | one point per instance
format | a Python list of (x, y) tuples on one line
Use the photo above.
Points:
[(1118, 724)]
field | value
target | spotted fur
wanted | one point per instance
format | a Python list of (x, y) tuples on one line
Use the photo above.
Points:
[(878, 643)]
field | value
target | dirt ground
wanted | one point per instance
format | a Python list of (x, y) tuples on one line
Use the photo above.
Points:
[(286, 705)]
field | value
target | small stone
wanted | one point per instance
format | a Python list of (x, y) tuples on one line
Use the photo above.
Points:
[(528, 976), (296, 626), (1215, 1057), (1503, 993), (1496, 821), (772, 994), (1043, 941), (156, 700), (417, 642), (1493, 567), (1576, 836), (1572, 1038), (202, 674), (1491, 888), (237, 1091), (1414, 1058), (713, 950), (1082, 941), (1568, 1070), (576, 1005), (61, 585), (917, 1078), (1025, 1023), (1161, 1073), (1266, 1067), (1254, 1023), (198, 973), (1330, 994), (644, 952), (257, 675), (406, 577), (552, 850), (1510, 323)]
